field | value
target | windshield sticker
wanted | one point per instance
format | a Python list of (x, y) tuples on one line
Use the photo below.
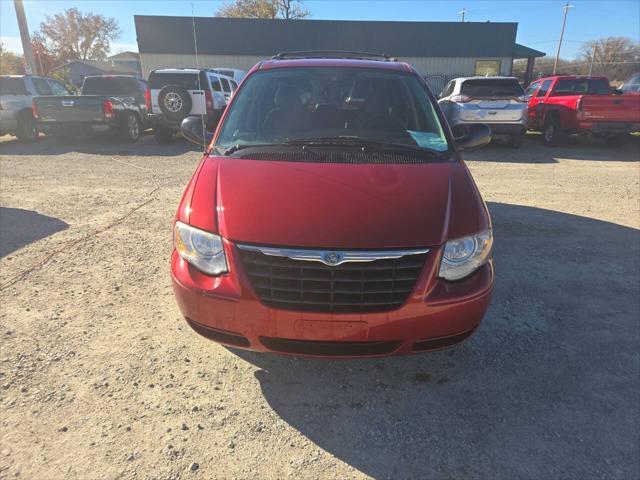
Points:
[(429, 140)]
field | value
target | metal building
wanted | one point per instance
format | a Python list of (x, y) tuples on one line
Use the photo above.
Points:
[(439, 50)]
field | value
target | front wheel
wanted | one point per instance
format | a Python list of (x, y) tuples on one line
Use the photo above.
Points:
[(553, 134), (132, 128), (26, 131)]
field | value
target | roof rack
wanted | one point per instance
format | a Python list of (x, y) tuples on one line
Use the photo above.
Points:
[(334, 54)]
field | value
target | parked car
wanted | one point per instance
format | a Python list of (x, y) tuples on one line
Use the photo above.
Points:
[(333, 215), (16, 92), (234, 73), (113, 104), (632, 84), (562, 104), (177, 93), (499, 102)]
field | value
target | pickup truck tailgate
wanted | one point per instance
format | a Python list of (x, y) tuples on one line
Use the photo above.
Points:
[(73, 108), (611, 108)]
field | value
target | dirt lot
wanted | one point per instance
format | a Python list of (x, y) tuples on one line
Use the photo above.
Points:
[(101, 378)]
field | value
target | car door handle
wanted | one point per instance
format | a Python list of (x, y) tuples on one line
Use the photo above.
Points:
[(67, 103), (196, 93)]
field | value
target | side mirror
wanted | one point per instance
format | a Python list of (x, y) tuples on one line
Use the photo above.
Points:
[(617, 91), (467, 137), (193, 130)]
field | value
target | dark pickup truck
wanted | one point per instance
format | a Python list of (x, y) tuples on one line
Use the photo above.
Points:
[(107, 104)]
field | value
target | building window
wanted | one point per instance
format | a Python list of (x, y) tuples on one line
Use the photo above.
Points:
[(486, 68)]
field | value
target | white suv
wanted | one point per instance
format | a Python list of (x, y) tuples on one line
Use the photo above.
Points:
[(177, 93), (499, 102)]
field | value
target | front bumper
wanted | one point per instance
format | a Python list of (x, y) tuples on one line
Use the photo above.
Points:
[(437, 314)]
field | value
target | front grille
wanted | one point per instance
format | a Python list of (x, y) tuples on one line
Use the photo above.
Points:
[(330, 349), (353, 287)]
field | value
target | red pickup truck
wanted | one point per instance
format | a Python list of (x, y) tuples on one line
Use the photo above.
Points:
[(561, 105)]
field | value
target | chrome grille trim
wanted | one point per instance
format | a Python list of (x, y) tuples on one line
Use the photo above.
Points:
[(333, 258)]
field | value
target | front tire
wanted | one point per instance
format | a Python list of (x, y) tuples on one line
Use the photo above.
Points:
[(132, 128), (162, 134), (27, 131), (553, 135)]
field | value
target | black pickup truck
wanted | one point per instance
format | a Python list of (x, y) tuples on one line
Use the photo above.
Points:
[(107, 104)]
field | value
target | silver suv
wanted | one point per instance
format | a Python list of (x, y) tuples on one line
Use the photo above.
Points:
[(499, 102), (16, 93)]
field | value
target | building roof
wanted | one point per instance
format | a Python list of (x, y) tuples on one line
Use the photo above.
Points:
[(249, 36), (520, 51), (125, 56), (106, 67)]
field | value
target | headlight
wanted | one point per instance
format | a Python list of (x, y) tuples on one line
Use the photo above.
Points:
[(465, 255), (201, 249)]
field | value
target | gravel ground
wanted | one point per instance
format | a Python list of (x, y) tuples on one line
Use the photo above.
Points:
[(100, 378)]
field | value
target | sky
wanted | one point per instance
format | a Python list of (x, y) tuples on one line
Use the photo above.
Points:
[(538, 21)]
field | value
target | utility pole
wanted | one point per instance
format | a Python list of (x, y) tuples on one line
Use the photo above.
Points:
[(566, 8), (30, 66), (462, 13)]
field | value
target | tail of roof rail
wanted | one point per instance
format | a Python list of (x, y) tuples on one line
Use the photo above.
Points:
[(334, 54)]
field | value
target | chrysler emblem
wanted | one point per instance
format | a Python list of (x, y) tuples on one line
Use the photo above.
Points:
[(331, 258)]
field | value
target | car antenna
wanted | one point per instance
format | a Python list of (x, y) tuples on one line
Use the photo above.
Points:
[(195, 47)]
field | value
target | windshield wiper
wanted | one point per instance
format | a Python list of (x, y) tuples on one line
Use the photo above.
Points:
[(361, 141), (239, 146)]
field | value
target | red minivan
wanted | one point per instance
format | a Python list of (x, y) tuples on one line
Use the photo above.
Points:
[(332, 215)]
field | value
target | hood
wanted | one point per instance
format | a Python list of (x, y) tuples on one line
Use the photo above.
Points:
[(336, 205)]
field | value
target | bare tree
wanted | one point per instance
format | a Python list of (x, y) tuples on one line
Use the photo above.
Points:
[(615, 57), (292, 9), (72, 35), (286, 9)]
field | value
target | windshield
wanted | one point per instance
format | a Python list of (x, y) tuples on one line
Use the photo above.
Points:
[(286, 105), (123, 86), (492, 88)]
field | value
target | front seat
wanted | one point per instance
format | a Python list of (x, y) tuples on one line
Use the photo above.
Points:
[(288, 115)]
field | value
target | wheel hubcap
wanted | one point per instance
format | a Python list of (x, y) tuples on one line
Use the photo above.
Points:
[(548, 133), (134, 129), (173, 102)]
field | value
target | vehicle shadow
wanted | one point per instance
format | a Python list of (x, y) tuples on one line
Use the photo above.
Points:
[(100, 145), (19, 228), (547, 388), (575, 148)]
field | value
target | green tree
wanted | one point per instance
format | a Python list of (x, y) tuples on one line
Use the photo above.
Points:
[(286, 9), (10, 63), (73, 35)]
